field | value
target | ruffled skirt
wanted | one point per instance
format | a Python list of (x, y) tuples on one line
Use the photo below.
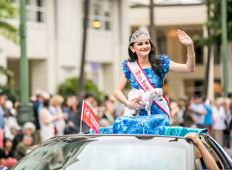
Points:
[(153, 125)]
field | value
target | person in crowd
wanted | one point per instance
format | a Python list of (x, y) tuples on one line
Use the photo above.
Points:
[(16, 104), (8, 122), (230, 126), (10, 119), (199, 111), (180, 113), (7, 112), (208, 123), (36, 105), (95, 107), (14, 129), (1, 121), (32, 99), (56, 102), (104, 122), (9, 105), (115, 113), (68, 109), (144, 56), (28, 129), (220, 116), (45, 96), (88, 100), (47, 128), (6, 155), (24, 147), (226, 132), (109, 107), (189, 117), (174, 109), (210, 163)]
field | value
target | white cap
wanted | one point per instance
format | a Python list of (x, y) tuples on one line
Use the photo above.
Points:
[(29, 125)]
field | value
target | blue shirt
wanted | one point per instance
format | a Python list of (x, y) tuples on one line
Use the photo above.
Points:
[(1, 118), (208, 116), (200, 119)]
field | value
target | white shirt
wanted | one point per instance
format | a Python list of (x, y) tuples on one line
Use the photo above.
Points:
[(219, 118)]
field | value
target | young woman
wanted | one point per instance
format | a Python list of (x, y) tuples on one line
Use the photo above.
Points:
[(68, 109), (46, 122), (6, 155), (146, 70)]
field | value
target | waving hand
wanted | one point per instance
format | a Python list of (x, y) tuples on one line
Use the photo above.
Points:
[(184, 38)]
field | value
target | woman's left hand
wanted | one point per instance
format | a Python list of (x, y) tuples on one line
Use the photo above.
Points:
[(184, 38)]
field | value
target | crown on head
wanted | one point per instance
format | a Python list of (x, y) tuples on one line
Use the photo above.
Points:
[(139, 35)]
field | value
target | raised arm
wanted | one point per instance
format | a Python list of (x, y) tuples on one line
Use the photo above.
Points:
[(120, 96), (190, 64), (208, 159)]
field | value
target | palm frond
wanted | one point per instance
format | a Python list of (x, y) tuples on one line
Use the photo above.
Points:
[(7, 10), (9, 31), (9, 74)]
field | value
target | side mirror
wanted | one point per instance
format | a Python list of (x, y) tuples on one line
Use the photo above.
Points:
[(3, 168)]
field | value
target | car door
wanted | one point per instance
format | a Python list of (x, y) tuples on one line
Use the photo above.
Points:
[(220, 155)]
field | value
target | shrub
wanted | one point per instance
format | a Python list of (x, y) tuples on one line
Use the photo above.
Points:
[(70, 85)]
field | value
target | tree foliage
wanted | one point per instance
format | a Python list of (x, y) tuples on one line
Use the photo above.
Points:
[(69, 88), (9, 75), (6, 29), (214, 23), (8, 88)]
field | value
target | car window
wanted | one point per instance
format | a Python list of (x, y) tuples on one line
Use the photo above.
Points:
[(110, 153)]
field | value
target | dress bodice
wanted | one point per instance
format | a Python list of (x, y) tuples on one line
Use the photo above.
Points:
[(153, 77)]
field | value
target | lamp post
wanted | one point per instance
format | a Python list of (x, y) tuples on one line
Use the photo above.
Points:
[(152, 26), (224, 46), (24, 87), (25, 110)]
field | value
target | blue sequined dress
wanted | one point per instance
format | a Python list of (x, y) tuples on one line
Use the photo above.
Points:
[(143, 124)]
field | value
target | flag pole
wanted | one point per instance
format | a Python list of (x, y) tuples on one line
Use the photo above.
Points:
[(81, 117)]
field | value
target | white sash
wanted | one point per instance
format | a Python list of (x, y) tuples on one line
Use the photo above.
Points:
[(146, 85)]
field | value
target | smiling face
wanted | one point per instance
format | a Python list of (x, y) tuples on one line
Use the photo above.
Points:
[(141, 48)]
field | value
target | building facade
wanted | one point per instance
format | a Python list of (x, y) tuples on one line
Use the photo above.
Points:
[(54, 42), (190, 16)]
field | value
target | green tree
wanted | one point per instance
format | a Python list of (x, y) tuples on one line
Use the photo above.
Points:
[(8, 88), (69, 88), (6, 29), (214, 24)]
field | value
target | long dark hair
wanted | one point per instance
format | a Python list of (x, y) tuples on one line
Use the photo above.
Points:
[(153, 58)]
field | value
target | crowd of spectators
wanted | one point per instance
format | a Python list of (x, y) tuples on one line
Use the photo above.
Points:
[(53, 115), (199, 112)]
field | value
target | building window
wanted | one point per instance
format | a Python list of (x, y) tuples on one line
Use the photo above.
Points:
[(198, 88), (217, 56), (35, 10), (100, 15), (199, 55), (161, 45)]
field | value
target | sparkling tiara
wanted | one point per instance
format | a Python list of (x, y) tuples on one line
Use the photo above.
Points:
[(139, 35)]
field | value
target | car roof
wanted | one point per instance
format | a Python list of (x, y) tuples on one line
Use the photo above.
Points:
[(121, 137), (118, 135)]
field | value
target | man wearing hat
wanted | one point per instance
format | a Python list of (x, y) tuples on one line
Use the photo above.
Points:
[(28, 129)]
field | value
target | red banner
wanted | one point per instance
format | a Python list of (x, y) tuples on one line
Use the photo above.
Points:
[(90, 118)]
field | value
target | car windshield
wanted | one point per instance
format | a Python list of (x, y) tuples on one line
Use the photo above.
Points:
[(109, 152)]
